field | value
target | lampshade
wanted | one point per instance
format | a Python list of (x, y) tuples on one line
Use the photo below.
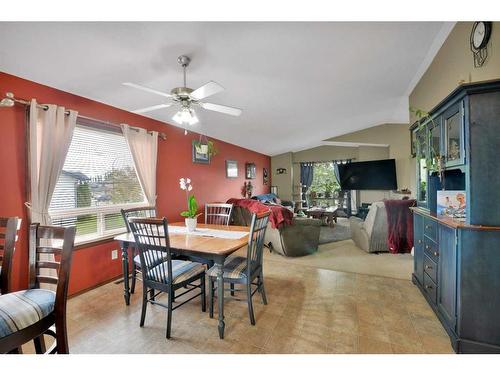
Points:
[(186, 116)]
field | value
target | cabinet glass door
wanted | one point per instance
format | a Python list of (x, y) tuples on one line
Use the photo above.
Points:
[(435, 140), (454, 136), (422, 154)]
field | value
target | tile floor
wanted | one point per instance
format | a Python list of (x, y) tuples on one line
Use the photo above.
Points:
[(310, 310)]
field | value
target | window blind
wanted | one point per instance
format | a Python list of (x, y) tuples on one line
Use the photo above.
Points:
[(98, 179)]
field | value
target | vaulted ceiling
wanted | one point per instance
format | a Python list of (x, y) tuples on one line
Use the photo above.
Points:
[(297, 83)]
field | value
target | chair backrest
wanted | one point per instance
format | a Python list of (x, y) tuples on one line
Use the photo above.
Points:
[(218, 213), (256, 239), (151, 238), (59, 242), (8, 236), (137, 212)]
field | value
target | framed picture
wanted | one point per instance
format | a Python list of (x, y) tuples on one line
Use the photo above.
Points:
[(451, 203), (200, 153), (231, 168), (250, 170), (265, 176)]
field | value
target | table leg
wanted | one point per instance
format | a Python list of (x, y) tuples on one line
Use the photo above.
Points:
[(126, 289), (220, 295)]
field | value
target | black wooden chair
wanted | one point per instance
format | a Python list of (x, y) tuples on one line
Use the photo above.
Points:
[(8, 237), (29, 314), (241, 270), (151, 238), (142, 212), (218, 213)]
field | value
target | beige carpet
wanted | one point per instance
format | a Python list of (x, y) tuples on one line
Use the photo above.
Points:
[(345, 256)]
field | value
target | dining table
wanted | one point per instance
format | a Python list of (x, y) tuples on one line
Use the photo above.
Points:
[(211, 242)]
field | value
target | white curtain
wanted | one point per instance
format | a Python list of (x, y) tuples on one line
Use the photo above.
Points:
[(50, 134), (143, 146)]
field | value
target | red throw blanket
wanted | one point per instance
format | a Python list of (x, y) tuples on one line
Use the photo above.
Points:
[(279, 214), (400, 225)]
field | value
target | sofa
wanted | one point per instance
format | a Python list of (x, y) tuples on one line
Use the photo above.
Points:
[(371, 234), (273, 198), (297, 239)]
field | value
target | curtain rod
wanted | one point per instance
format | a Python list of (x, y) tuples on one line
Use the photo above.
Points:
[(10, 96), (322, 161)]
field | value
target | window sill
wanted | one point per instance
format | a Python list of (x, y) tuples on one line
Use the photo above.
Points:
[(96, 241)]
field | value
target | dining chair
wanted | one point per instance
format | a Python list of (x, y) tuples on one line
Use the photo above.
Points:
[(143, 212), (29, 314), (8, 237), (160, 272), (218, 213), (245, 270)]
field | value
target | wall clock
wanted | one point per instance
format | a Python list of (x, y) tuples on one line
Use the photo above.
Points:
[(479, 38)]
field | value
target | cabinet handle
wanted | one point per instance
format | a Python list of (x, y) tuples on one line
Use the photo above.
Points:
[(428, 267), (427, 226), (436, 253), (419, 241), (427, 247), (428, 287)]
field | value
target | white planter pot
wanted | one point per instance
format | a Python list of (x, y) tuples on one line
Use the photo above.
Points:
[(190, 224)]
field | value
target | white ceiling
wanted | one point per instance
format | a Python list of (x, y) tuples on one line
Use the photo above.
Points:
[(297, 83)]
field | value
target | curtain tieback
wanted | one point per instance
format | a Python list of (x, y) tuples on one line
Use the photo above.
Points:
[(30, 207)]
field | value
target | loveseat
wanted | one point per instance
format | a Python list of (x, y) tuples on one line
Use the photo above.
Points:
[(371, 234), (292, 240), (273, 198)]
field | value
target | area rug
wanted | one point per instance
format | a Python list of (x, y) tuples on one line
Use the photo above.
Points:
[(346, 257), (340, 232)]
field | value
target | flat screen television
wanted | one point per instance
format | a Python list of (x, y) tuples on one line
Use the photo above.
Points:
[(368, 175)]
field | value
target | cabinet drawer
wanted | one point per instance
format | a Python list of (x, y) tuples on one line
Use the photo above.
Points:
[(430, 229), (430, 267), (430, 288), (431, 249)]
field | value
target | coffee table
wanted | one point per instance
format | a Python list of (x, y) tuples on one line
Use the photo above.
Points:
[(328, 217)]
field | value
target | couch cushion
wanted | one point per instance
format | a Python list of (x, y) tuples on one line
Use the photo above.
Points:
[(181, 270), (234, 268), (370, 218), (22, 309)]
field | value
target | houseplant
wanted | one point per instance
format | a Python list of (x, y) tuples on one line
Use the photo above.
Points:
[(190, 214), (205, 146)]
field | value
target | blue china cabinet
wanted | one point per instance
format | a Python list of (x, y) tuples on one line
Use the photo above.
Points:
[(457, 260)]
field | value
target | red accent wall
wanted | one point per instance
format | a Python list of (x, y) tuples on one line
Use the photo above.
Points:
[(93, 265)]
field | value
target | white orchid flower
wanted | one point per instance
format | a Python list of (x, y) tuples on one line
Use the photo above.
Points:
[(190, 188), (188, 180)]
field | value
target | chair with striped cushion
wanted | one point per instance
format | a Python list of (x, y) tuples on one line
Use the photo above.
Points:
[(29, 314), (218, 213), (8, 237), (246, 271), (151, 238), (127, 214)]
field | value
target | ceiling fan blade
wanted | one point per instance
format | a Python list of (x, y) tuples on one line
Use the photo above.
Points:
[(208, 89), (152, 108), (222, 109), (147, 89)]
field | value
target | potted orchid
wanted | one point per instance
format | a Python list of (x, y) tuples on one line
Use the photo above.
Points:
[(190, 214)]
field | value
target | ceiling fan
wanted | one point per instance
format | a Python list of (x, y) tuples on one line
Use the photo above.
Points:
[(187, 99)]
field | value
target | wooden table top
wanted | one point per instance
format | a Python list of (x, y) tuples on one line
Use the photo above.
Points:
[(201, 244)]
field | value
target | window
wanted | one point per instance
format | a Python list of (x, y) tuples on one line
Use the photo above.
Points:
[(97, 180), (324, 180)]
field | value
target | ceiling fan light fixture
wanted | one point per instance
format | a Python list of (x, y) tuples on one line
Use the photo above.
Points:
[(186, 116)]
